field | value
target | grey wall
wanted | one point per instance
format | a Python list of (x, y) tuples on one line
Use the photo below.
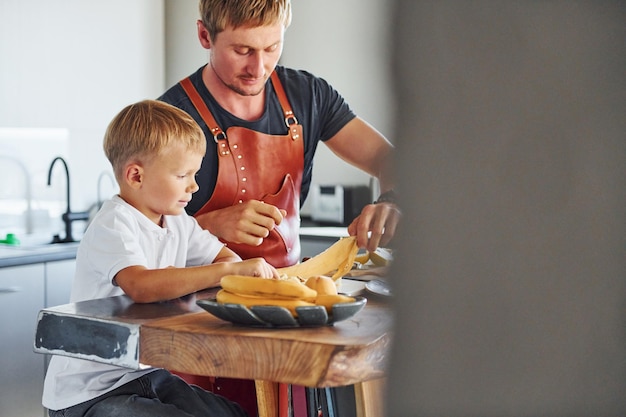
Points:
[(510, 278)]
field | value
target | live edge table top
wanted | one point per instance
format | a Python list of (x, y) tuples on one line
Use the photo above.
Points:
[(180, 336)]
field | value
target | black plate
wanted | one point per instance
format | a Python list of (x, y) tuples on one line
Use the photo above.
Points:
[(275, 316)]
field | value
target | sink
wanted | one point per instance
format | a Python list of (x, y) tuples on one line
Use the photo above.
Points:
[(35, 243), (36, 253), (51, 247), (7, 250)]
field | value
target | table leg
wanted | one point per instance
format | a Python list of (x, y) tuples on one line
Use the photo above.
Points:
[(272, 399), (267, 398), (369, 398)]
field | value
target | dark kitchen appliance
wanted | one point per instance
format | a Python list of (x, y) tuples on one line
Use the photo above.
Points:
[(338, 204)]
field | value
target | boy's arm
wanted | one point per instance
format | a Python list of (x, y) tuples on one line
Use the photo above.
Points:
[(226, 255), (145, 285)]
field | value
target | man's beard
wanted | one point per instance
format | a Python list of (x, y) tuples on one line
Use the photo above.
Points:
[(242, 92), (236, 89)]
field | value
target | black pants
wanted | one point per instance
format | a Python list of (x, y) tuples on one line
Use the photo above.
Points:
[(157, 394)]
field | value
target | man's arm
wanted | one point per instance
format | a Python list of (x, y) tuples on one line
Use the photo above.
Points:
[(361, 145)]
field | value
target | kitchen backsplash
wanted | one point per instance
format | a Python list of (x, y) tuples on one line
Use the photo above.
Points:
[(27, 204)]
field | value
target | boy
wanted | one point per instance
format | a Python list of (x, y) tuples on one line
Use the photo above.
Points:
[(143, 244)]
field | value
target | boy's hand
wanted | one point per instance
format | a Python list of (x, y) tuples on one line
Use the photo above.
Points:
[(255, 267)]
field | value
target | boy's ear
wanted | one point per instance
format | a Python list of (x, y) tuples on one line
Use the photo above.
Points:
[(133, 175)]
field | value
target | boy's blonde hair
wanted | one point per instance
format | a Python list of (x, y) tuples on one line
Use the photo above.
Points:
[(216, 15), (144, 129)]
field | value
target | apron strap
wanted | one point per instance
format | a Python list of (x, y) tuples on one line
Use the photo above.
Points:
[(218, 134), (290, 118)]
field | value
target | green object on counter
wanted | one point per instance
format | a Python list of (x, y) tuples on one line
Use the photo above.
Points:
[(11, 239)]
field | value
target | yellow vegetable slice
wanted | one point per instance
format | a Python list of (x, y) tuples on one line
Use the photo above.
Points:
[(322, 285), (266, 287), (337, 259), (329, 300), (381, 257), (225, 297), (362, 258)]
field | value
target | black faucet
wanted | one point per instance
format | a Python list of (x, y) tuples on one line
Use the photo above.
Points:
[(69, 216)]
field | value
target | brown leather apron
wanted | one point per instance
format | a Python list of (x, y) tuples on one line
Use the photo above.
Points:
[(258, 166)]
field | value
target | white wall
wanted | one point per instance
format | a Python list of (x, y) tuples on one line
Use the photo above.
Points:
[(347, 43), (183, 52), (74, 64)]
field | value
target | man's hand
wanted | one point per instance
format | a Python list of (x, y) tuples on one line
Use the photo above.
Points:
[(248, 223), (376, 225)]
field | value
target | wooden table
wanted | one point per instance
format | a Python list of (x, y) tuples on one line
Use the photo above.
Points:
[(178, 335)]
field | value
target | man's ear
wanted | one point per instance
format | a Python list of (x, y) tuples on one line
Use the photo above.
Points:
[(203, 35), (133, 175)]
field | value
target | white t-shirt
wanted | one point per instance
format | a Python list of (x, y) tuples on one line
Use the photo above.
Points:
[(118, 237)]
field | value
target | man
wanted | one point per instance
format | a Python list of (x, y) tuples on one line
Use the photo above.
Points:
[(263, 123), (257, 170)]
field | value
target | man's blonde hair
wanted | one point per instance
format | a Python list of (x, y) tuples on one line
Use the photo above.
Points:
[(216, 15), (144, 129)]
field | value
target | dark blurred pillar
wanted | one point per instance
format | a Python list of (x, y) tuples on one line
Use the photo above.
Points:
[(510, 280)]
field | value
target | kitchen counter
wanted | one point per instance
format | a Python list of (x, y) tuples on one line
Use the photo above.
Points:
[(33, 275), (38, 250), (323, 231), (316, 237), (313, 229), (36, 253)]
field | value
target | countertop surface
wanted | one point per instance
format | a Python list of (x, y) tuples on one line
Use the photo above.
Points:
[(310, 228), (323, 231), (38, 249), (36, 253)]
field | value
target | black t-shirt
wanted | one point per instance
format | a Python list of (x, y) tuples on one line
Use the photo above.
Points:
[(319, 108)]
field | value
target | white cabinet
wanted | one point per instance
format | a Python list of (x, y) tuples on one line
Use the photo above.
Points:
[(59, 277), (24, 290), (21, 298)]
